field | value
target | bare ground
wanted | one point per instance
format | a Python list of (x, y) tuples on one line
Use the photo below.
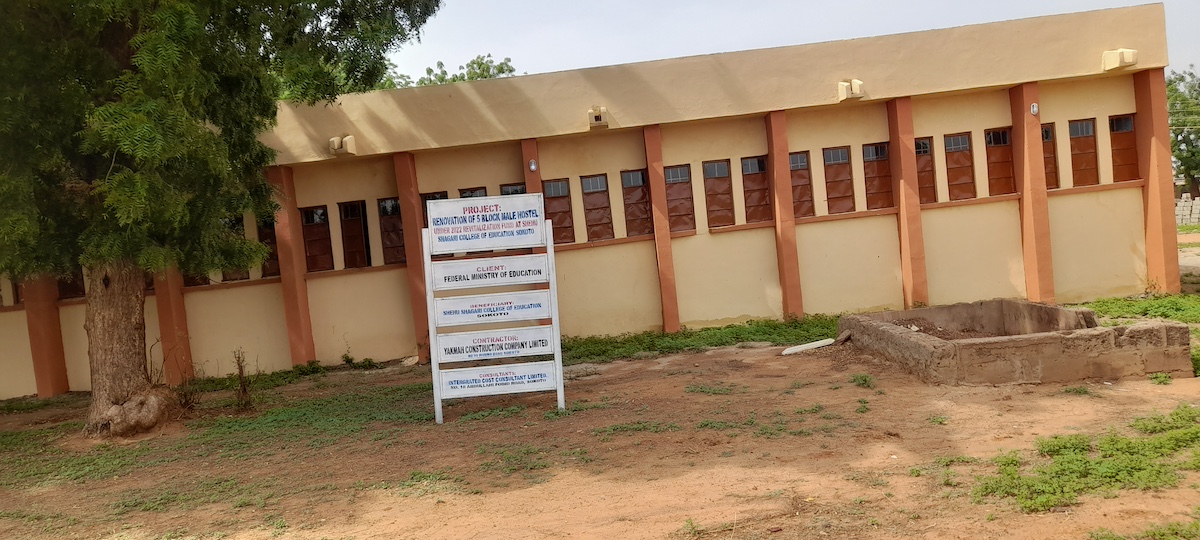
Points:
[(769, 472)]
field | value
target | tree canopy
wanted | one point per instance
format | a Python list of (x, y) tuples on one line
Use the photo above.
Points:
[(1183, 103), (478, 68)]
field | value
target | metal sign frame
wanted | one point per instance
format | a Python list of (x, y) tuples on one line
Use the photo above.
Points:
[(494, 343)]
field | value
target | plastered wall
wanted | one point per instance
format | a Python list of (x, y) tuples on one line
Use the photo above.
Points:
[(850, 265), (249, 317), (1098, 244), (367, 314), (973, 112), (16, 363), (973, 252), (850, 125), (694, 143), (347, 180), (75, 347), (727, 277), (606, 153), (489, 166), (609, 289), (1097, 98)]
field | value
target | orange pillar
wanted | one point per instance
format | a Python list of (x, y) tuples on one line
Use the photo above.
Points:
[(289, 240), (412, 214), (662, 228), (902, 158), (45, 336), (1154, 164), (786, 252), (1029, 166), (172, 327)]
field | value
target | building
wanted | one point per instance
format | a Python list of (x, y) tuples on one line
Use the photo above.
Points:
[(1027, 158)]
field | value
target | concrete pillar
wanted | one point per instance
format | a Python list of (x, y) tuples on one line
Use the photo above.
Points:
[(1154, 165), (1029, 166), (662, 228), (172, 326), (45, 336), (289, 240), (411, 215), (902, 156), (786, 251)]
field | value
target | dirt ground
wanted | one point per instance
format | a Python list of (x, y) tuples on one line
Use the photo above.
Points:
[(925, 326), (728, 443)]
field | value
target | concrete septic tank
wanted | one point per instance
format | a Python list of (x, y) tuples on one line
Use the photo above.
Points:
[(1025, 343)]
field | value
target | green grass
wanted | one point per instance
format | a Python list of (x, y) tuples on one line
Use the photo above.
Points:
[(1160, 378), (1187, 229), (712, 390), (498, 412), (816, 408), (259, 381), (634, 427), (193, 495), (1168, 531), (1068, 466), (32, 457), (510, 458), (578, 406), (30, 404), (718, 425), (1181, 307), (1078, 391), (862, 380), (1189, 244), (939, 420), (421, 483), (607, 348)]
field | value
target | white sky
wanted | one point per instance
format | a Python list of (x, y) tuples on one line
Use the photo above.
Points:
[(554, 35)]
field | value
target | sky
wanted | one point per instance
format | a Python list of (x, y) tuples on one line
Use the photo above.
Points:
[(554, 35)]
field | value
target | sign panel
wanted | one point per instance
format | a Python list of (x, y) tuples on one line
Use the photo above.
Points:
[(486, 223), (490, 272), (492, 380), (505, 343), (490, 308)]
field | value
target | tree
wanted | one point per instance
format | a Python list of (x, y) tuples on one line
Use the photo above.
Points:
[(479, 68), (128, 130), (1183, 104)]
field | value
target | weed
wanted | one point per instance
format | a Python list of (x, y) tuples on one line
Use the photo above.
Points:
[(709, 389), (796, 385), (1181, 307), (1160, 378), (575, 407), (513, 457), (862, 380), (778, 428), (1078, 391), (835, 387), (946, 461), (862, 406), (421, 483), (816, 408), (1187, 229), (241, 393), (607, 348), (633, 427), (367, 363), (718, 425), (347, 359), (914, 472), (691, 529), (831, 416), (580, 454), (939, 420), (498, 412), (990, 517)]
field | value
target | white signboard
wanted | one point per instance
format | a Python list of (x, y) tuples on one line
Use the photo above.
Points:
[(492, 380), (490, 272), (505, 343), (490, 308), (486, 223)]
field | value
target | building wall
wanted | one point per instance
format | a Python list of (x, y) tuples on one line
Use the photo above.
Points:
[(338, 181), (75, 347), (973, 252), (17, 361), (853, 125), (489, 166), (694, 143), (366, 314), (1098, 244), (605, 153), (850, 265), (973, 112), (249, 317), (609, 289), (727, 277), (1098, 98)]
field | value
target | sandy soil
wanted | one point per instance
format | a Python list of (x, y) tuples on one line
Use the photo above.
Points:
[(836, 473)]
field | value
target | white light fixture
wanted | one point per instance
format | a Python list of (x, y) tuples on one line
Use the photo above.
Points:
[(533, 165), (1033, 109)]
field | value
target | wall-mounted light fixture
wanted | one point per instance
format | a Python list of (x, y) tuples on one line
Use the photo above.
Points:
[(533, 165), (1118, 58), (343, 145), (1033, 109), (851, 89)]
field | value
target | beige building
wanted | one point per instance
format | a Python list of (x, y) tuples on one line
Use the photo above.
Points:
[(1023, 159)]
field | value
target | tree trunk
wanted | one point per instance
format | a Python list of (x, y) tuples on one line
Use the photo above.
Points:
[(124, 401), (1193, 187)]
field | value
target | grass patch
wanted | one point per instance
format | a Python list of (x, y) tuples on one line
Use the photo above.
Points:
[(1187, 229), (718, 425), (634, 427), (32, 403), (607, 348), (862, 406), (1073, 465), (939, 420), (1180, 307), (709, 389), (1078, 391), (1167, 531), (258, 381), (862, 380), (32, 457), (421, 483), (578, 406), (498, 412), (816, 408), (511, 458), (1160, 378), (193, 495)]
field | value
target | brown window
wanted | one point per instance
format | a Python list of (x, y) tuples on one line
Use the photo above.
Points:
[(391, 231), (680, 209), (557, 195), (999, 161), (318, 253), (1083, 152), (802, 195), (877, 176), (756, 188), (839, 180), (960, 167), (238, 226), (513, 189), (718, 193), (356, 244), (639, 220), (266, 235), (195, 280), (425, 198), (1124, 148), (597, 212), (1050, 156), (72, 286), (472, 192), (926, 173)]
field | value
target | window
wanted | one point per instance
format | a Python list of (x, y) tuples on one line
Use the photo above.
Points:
[(1050, 156), (1124, 148), (926, 172), (839, 180), (16, 294), (1083, 152), (512, 189), (72, 286), (639, 219), (195, 280), (998, 146), (425, 198), (237, 224), (266, 235), (318, 253), (681, 211), (597, 212), (718, 193), (472, 192), (960, 167), (557, 195), (391, 231), (802, 195), (757, 190), (877, 176), (356, 248)]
